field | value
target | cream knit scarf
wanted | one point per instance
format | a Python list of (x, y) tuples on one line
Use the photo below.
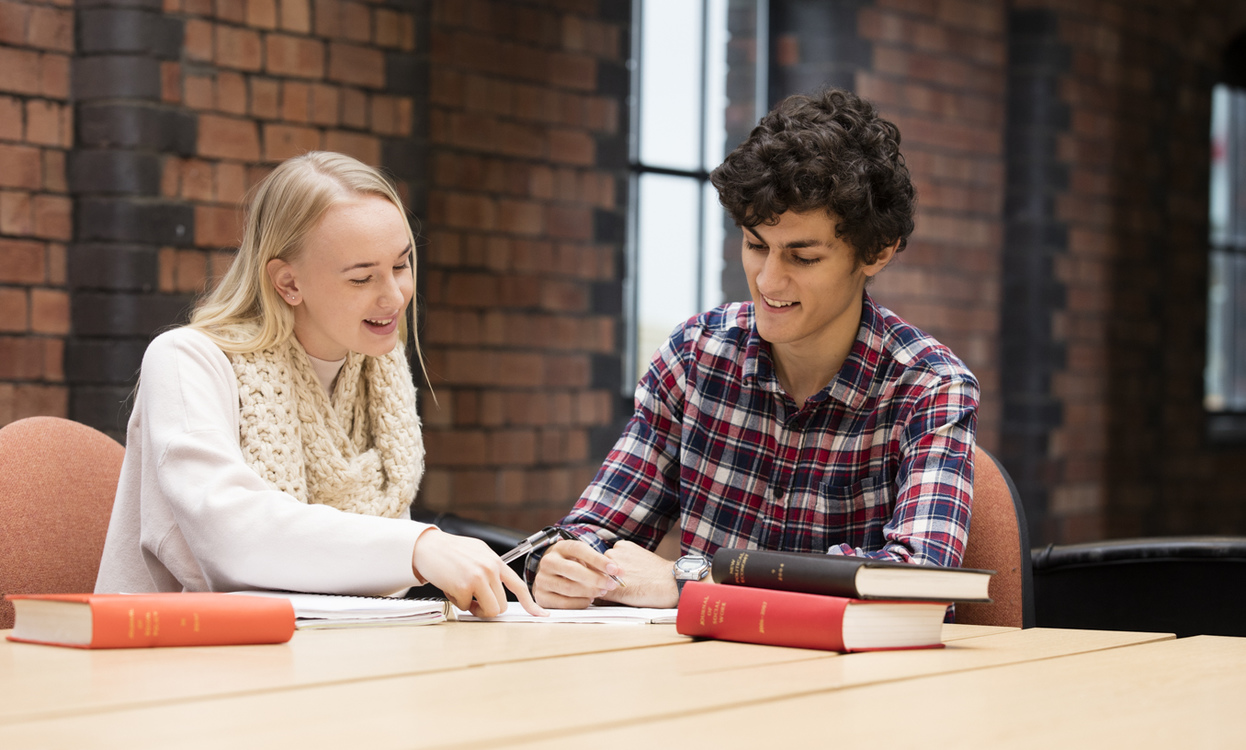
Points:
[(360, 451)]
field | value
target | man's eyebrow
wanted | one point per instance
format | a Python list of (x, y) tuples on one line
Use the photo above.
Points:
[(405, 252), (793, 245)]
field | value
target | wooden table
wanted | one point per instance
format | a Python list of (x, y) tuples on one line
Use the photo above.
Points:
[(517, 685)]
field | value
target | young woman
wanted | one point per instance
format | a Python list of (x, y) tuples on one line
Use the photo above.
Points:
[(274, 442)]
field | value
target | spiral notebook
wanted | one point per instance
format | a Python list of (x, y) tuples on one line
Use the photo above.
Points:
[(322, 611)]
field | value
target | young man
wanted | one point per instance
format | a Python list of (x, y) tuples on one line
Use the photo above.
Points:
[(809, 420)]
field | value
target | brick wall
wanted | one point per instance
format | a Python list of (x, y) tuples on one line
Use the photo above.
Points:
[(523, 274), (181, 108), (937, 70), (36, 127)]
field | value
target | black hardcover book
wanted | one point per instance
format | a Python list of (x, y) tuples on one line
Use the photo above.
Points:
[(852, 577)]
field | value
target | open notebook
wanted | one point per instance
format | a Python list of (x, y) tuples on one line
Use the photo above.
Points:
[(335, 611), (593, 615)]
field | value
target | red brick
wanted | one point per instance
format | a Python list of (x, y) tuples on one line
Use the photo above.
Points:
[(40, 400), (21, 358), (53, 360), (200, 92), (21, 70), (228, 138), (238, 48), (354, 22), (53, 217), (13, 310), (199, 43), (166, 261), (13, 20), (171, 177), (20, 167), (510, 447), (53, 76), (10, 118), (51, 29), (217, 226), (389, 29), (231, 182), (191, 273), (295, 15), (283, 141), (520, 217), (56, 263), (16, 218), (569, 223), (294, 97), (231, 93), (294, 56), (572, 70), (456, 448), (265, 98), (356, 65), (262, 13), (49, 311), (572, 147), (231, 10), (197, 180), (365, 148), (327, 17), (171, 82), (325, 107)]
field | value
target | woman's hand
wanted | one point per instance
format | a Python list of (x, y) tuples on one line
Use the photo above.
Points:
[(470, 574)]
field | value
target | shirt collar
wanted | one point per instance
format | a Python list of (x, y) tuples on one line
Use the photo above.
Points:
[(851, 384)]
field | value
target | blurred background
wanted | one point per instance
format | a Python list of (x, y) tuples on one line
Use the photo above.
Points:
[(1080, 242)]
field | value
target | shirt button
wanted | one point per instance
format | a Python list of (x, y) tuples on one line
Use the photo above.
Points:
[(778, 493)]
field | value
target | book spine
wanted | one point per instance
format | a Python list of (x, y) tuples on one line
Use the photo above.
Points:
[(807, 574), (117, 623), (754, 615)]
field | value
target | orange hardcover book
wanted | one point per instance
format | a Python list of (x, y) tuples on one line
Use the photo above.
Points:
[(149, 620), (787, 618)]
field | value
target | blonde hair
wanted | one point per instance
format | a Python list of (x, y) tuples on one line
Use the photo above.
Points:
[(245, 313)]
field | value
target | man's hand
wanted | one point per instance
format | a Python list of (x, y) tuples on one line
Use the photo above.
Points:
[(650, 579), (573, 574), (470, 574)]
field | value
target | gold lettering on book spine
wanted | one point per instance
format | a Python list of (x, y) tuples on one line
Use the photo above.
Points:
[(736, 569), (130, 634), (704, 603), (761, 619)]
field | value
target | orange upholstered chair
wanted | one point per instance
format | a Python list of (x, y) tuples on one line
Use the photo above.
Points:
[(998, 540), (57, 483)]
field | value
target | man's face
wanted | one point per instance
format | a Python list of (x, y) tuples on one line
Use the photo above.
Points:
[(806, 284)]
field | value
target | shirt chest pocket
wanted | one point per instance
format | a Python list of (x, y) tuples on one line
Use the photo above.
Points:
[(855, 514)]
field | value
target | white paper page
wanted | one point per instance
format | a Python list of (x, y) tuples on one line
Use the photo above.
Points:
[(591, 616)]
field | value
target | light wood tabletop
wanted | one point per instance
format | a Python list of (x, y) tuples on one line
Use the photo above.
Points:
[(466, 684)]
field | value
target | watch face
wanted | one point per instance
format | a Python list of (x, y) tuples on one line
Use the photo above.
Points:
[(691, 565)]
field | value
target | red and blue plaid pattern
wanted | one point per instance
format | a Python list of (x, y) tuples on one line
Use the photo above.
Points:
[(878, 464)]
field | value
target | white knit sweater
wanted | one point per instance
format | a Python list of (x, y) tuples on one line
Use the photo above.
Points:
[(191, 515)]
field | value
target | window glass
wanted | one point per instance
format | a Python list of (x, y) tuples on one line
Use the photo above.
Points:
[(1225, 377)]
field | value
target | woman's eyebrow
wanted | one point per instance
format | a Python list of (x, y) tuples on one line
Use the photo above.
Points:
[(369, 264)]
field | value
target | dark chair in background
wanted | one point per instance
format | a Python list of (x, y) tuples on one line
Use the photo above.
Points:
[(1182, 585), (999, 540)]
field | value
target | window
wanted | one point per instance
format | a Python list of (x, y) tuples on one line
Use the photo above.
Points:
[(1225, 387), (686, 56)]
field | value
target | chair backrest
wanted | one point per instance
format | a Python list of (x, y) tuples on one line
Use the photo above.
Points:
[(58, 479), (998, 540)]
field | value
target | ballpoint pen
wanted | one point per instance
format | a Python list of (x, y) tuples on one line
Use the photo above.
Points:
[(542, 539)]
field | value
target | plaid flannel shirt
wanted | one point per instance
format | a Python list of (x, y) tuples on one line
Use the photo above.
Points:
[(877, 464)]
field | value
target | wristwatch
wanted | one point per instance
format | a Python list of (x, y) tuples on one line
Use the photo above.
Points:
[(690, 568)]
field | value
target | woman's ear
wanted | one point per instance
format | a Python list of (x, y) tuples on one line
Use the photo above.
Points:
[(884, 257), (284, 280)]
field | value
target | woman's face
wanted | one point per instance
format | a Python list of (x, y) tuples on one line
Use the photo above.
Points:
[(351, 283)]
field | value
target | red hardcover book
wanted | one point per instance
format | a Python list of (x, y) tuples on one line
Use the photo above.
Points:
[(149, 620), (787, 618)]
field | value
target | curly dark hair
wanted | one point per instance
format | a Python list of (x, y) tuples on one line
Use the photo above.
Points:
[(828, 152)]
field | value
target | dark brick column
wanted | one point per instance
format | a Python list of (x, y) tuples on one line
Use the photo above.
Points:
[(1034, 237), (121, 222)]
